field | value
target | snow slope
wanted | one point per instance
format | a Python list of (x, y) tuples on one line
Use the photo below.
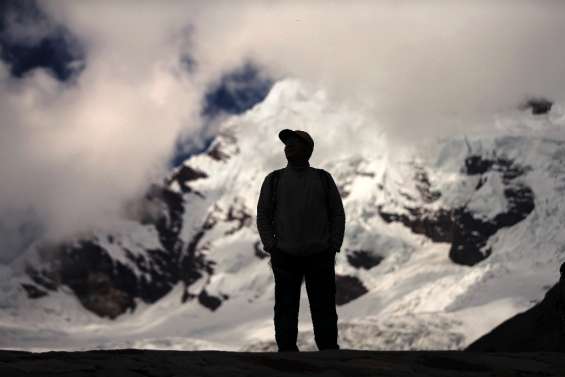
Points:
[(206, 284)]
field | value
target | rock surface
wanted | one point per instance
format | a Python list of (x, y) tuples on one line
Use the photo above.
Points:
[(541, 328), (133, 362)]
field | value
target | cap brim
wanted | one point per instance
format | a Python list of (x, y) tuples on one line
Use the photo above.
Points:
[(285, 134)]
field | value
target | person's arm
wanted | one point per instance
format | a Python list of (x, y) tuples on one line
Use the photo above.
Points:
[(337, 217), (265, 216)]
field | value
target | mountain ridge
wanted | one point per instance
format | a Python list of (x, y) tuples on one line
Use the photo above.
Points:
[(189, 250)]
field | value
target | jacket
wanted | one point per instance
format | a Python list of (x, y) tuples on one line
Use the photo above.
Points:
[(309, 218)]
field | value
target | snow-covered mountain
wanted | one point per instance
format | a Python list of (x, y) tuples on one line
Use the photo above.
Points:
[(444, 240)]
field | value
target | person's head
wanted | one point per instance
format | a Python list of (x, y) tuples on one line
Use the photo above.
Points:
[(298, 146)]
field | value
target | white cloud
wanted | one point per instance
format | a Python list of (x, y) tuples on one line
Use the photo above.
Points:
[(419, 65), (76, 152)]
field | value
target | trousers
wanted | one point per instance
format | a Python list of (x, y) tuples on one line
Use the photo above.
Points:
[(318, 270)]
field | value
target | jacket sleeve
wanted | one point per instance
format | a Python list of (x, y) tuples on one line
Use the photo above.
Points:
[(265, 216), (337, 217)]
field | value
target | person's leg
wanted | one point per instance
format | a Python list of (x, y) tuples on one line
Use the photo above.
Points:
[(287, 304), (320, 285)]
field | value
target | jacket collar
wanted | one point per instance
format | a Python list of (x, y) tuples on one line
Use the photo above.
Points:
[(298, 167)]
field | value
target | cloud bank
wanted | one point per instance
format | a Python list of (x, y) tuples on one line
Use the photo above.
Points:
[(418, 65), (73, 152)]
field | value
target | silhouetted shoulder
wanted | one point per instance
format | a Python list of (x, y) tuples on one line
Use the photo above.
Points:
[(328, 174), (271, 174), (269, 177)]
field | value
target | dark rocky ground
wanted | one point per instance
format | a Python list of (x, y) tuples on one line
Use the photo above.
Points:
[(132, 362), (540, 328)]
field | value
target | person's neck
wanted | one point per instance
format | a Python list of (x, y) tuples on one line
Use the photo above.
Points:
[(303, 165)]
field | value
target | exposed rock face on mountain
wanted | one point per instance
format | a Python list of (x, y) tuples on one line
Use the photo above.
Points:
[(538, 106), (436, 234), (467, 233), (108, 286), (541, 328)]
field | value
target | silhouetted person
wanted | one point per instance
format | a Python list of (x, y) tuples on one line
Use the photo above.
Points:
[(301, 223)]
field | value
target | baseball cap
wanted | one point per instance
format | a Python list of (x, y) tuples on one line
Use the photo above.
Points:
[(286, 133)]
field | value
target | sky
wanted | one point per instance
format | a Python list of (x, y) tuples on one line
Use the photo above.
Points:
[(97, 98)]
